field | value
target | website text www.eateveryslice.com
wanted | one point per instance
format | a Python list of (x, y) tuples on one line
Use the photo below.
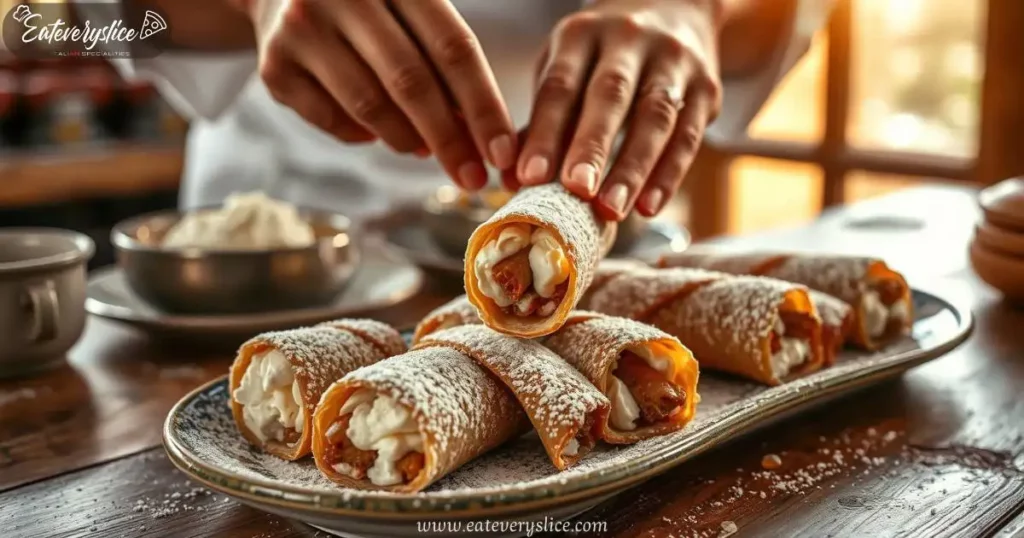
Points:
[(520, 528)]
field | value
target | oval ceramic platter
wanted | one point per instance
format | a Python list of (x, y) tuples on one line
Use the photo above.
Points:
[(517, 482)]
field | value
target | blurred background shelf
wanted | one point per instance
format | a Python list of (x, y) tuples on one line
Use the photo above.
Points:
[(82, 148), (45, 177)]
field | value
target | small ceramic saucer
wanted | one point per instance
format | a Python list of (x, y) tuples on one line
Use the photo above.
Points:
[(381, 281)]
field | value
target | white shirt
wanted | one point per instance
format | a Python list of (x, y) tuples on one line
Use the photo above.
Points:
[(241, 139)]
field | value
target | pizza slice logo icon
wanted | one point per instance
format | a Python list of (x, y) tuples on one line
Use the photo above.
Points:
[(152, 24)]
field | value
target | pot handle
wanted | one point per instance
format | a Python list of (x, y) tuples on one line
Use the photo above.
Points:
[(45, 311)]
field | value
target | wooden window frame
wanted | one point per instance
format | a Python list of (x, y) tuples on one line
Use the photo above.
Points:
[(1001, 133)]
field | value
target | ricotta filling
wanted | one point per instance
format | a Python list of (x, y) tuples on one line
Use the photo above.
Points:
[(549, 266), (271, 397), (877, 315), (794, 352), (381, 424), (625, 411)]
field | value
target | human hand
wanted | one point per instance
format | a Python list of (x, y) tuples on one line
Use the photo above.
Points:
[(409, 72), (648, 67)]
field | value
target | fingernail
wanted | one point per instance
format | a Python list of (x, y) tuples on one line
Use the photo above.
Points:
[(616, 198), (585, 175), (422, 152), (652, 200), (472, 175), (536, 170), (503, 153)]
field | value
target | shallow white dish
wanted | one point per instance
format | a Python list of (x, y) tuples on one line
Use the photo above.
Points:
[(517, 482), (379, 282)]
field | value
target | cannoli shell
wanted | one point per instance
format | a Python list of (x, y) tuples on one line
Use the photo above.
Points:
[(583, 237), (319, 356), (725, 320), (593, 344), (462, 411), (455, 313), (843, 277), (558, 399)]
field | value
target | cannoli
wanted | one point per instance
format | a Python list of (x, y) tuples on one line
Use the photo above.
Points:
[(647, 375), (455, 313), (764, 329), (882, 307), (277, 378), (567, 411), (837, 324), (405, 422), (529, 264)]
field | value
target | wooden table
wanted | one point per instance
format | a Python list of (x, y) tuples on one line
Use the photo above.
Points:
[(939, 451)]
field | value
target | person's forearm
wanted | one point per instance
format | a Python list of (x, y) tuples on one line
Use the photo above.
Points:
[(750, 34), (201, 25)]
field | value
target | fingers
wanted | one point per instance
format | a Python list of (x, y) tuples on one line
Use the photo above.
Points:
[(699, 108), (294, 88), (606, 104), (411, 83), (510, 176), (456, 54), (653, 120), (355, 87), (559, 89)]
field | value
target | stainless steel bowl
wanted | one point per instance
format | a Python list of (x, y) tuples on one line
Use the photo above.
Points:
[(451, 218), (204, 281)]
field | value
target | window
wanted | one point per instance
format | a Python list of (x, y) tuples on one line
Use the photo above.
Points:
[(890, 96)]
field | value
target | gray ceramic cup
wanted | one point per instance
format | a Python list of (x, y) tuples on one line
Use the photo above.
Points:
[(42, 296)]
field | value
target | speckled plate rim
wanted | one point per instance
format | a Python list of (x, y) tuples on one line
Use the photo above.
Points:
[(505, 501)]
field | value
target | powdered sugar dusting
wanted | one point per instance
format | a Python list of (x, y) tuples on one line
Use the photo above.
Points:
[(206, 429), (556, 397), (594, 346), (836, 275), (737, 264), (459, 311), (722, 318), (609, 268), (320, 356), (384, 336), (202, 429), (634, 293), (463, 410), (834, 312), (839, 276), (835, 279), (725, 322), (564, 213)]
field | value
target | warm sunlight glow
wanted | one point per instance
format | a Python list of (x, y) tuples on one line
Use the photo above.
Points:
[(796, 109), (903, 16), (916, 74), (864, 185), (768, 193)]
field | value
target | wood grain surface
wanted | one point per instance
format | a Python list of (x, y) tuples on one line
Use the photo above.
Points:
[(937, 452)]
